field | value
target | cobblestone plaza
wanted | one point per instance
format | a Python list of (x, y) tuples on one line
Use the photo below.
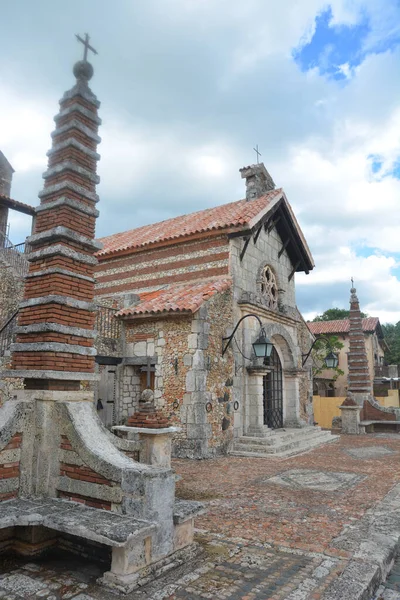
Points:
[(272, 531)]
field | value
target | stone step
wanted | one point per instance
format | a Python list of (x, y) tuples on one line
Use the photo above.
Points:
[(283, 452), (280, 436), (286, 445)]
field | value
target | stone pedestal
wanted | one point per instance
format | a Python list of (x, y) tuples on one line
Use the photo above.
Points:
[(155, 444), (350, 419)]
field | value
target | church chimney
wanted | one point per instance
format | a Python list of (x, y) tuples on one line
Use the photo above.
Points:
[(258, 181), (6, 173)]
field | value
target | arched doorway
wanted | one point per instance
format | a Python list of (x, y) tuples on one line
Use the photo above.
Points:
[(273, 393)]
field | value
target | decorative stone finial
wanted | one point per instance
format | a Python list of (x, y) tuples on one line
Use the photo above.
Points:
[(353, 290), (83, 70)]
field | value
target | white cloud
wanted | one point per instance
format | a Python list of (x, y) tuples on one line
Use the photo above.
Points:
[(25, 128), (183, 112)]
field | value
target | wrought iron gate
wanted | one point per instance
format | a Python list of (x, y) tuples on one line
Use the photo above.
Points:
[(273, 393)]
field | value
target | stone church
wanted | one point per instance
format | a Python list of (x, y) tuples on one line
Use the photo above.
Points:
[(176, 289), (168, 294)]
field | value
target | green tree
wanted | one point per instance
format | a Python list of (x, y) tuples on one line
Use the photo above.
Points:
[(334, 314), (391, 333)]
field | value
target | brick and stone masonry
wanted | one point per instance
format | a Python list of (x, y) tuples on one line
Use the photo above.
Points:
[(360, 403), (54, 343), (359, 381)]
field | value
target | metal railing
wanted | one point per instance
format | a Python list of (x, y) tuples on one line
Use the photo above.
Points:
[(107, 326), (7, 332), (14, 255)]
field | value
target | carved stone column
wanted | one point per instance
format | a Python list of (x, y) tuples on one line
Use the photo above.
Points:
[(255, 401), (292, 399)]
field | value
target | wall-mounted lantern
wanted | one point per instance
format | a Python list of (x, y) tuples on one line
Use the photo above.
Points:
[(262, 347), (331, 360)]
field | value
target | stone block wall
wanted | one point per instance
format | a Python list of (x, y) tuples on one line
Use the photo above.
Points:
[(129, 392), (265, 251)]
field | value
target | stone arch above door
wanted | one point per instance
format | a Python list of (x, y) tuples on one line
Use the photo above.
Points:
[(280, 337)]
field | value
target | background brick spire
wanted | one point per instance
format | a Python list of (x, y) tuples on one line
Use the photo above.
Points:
[(359, 381), (54, 344)]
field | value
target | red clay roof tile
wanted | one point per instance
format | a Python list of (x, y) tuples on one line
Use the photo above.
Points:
[(234, 214), (16, 205), (369, 324), (176, 299)]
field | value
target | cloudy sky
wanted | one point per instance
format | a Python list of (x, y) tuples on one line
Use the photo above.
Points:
[(188, 87)]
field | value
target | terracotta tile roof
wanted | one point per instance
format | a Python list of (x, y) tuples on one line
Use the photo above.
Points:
[(176, 299), (14, 204), (235, 214), (341, 326)]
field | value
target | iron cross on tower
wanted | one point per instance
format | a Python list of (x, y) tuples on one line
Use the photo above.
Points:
[(257, 152), (86, 44)]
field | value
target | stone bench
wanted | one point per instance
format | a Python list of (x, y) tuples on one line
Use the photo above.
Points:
[(369, 426), (128, 538), (102, 526), (37, 521)]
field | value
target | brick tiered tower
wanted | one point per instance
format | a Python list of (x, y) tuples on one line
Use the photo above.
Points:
[(54, 344), (359, 381)]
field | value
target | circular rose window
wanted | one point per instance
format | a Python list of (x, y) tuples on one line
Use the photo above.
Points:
[(269, 287)]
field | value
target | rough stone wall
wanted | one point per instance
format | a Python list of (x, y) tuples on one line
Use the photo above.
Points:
[(191, 376), (166, 338), (218, 315), (150, 268), (305, 340), (11, 291)]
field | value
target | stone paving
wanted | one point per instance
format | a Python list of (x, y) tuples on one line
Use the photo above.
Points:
[(271, 532)]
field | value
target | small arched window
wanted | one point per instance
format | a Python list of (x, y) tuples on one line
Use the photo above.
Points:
[(269, 287)]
